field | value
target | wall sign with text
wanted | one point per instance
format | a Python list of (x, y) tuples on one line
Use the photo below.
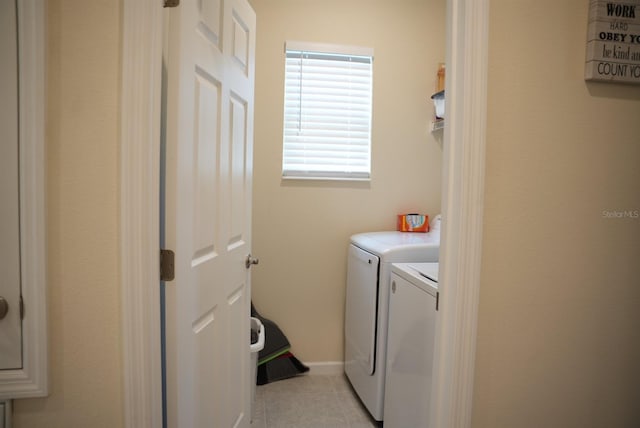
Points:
[(613, 41)]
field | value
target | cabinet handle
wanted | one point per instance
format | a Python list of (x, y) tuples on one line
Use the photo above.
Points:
[(4, 307)]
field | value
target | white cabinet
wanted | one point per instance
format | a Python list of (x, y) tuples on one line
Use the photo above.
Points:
[(412, 316), (23, 332)]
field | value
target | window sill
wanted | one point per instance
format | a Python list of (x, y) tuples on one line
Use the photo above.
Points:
[(314, 178)]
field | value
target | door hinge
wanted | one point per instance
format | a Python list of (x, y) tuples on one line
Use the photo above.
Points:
[(167, 265), (21, 308), (437, 299), (171, 3)]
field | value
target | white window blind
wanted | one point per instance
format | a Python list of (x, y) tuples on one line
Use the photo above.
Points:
[(327, 112)]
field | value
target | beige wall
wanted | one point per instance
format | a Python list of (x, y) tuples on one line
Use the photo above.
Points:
[(559, 318), (301, 229), (82, 191)]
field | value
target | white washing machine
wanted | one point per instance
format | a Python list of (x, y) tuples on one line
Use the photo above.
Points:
[(367, 304), (413, 306)]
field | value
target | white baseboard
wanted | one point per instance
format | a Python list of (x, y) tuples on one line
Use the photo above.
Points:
[(324, 368)]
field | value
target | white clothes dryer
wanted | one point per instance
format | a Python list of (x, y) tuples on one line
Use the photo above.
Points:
[(367, 305)]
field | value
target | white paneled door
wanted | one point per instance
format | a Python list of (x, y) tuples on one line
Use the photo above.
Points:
[(209, 65), (10, 320)]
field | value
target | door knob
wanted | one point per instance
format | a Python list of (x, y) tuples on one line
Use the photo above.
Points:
[(4, 307), (251, 261)]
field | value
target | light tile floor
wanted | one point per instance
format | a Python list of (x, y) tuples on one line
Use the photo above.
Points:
[(310, 401)]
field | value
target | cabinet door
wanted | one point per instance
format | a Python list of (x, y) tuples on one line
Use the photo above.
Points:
[(23, 334), (10, 323), (412, 313)]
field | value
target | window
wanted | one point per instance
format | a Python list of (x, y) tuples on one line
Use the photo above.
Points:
[(327, 112)]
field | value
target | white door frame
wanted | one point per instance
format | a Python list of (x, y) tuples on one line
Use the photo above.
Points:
[(463, 194), (140, 211), (462, 212)]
